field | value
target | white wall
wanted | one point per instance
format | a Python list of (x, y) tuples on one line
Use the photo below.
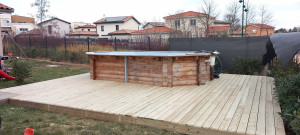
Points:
[(17, 26), (111, 27), (5, 20), (59, 28), (194, 31)]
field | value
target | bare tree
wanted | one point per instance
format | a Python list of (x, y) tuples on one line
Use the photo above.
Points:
[(265, 16), (209, 8), (42, 9), (251, 13), (232, 15)]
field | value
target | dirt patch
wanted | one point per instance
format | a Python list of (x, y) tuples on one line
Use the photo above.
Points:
[(68, 64), (52, 65)]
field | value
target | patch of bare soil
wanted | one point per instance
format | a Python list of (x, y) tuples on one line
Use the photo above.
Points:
[(68, 64)]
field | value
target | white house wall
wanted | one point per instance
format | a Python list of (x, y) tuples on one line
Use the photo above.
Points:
[(59, 28), (17, 26), (111, 27)]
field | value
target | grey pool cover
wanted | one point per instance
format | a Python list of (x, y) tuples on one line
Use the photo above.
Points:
[(286, 45)]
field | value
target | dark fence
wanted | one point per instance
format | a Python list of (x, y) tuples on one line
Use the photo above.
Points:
[(74, 49), (229, 48)]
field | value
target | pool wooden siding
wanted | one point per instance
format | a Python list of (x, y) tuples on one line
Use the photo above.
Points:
[(232, 104), (159, 71)]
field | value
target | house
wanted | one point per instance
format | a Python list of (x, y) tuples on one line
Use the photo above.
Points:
[(110, 24), (154, 24), (85, 28), (21, 24), (121, 34), (154, 32), (192, 24), (77, 24), (84, 31), (55, 27), (255, 29), (5, 17)]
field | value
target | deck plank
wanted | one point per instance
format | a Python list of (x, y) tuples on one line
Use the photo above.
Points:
[(229, 105)]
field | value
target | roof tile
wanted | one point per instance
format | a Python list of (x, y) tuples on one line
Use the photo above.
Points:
[(2, 6), (188, 13), (264, 26), (93, 33), (154, 30)]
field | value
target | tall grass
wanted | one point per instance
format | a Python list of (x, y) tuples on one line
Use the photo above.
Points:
[(73, 50)]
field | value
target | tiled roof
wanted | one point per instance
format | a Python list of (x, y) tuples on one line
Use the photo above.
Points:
[(154, 30), (263, 26), (156, 24), (2, 6), (218, 28), (188, 13), (120, 32), (85, 33), (86, 26), (118, 19)]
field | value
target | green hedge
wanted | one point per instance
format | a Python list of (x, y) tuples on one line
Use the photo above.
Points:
[(246, 66), (287, 91)]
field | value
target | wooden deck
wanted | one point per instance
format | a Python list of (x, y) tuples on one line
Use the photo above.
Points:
[(232, 104)]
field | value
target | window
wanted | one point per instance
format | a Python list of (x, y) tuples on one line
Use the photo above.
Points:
[(102, 28), (177, 23), (193, 22), (254, 31), (23, 29), (117, 27), (49, 29), (22, 22), (89, 29)]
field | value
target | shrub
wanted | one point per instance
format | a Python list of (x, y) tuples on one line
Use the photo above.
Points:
[(21, 70), (287, 92), (295, 124), (246, 65)]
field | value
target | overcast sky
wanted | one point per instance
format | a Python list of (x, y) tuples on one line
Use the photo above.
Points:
[(286, 13)]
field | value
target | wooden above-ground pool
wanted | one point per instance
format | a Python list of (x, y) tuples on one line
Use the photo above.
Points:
[(161, 68)]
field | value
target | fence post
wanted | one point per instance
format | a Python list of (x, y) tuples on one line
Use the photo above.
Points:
[(46, 46), (29, 42), (115, 43), (88, 41), (148, 43), (65, 44)]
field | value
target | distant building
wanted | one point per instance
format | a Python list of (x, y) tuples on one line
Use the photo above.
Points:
[(190, 24), (77, 24), (14, 24), (255, 29), (5, 17), (21, 24), (55, 27), (121, 34), (84, 31), (85, 28), (154, 24), (153, 33), (110, 24)]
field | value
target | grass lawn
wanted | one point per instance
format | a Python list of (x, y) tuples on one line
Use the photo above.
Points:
[(42, 71), (16, 119)]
